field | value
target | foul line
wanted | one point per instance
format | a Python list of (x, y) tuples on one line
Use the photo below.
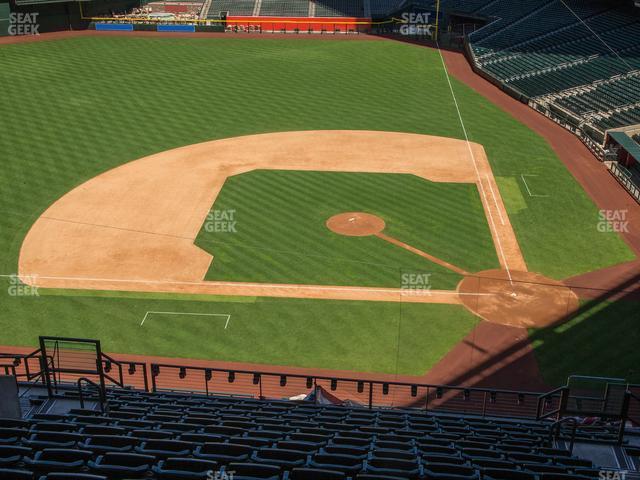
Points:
[(522, 175), (230, 284), (228, 316), (495, 200), (475, 166)]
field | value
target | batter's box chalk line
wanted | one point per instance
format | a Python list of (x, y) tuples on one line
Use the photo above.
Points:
[(224, 315)]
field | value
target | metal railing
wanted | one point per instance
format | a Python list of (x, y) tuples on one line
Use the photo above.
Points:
[(369, 393), (25, 367), (137, 374), (626, 179), (634, 404), (555, 429), (101, 395), (552, 403)]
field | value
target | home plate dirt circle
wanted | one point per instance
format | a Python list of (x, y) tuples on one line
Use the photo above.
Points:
[(530, 300), (355, 224)]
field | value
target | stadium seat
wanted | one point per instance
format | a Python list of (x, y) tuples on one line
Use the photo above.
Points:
[(42, 439), (315, 474), (9, 435), (507, 474), (14, 423), (12, 454), (72, 476), (393, 468), (57, 460), (244, 471), (347, 464), (285, 459), (165, 448), (223, 453), (122, 465), (184, 469), (103, 430), (109, 443), (9, 474)]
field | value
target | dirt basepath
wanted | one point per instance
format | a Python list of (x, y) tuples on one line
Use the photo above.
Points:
[(133, 227), (420, 253)]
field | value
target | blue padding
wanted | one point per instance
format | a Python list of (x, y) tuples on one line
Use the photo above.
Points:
[(176, 28), (120, 27)]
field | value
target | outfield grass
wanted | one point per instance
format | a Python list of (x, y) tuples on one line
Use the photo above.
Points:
[(602, 340), (280, 234), (78, 107)]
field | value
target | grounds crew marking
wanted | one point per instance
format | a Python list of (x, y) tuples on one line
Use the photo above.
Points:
[(228, 317), (527, 186)]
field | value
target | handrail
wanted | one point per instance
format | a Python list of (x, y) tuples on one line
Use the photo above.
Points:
[(556, 426), (347, 379), (101, 395), (626, 412), (120, 364), (8, 367), (480, 401), (546, 396), (120, 381)]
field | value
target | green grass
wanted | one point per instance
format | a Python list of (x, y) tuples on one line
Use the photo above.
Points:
[(360, 336), (280, 234), (602, 340), (72, 109)]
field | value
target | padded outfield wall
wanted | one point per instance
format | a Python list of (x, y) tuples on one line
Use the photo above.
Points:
[(4, 19), (302, 24)]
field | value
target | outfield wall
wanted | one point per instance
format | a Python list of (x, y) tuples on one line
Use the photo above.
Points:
[(4, 19), (301, 24)]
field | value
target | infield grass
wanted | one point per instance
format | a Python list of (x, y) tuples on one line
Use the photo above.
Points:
[(279, 234)]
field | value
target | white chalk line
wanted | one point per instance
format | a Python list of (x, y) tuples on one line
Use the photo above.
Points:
[(475, 166), (237, 284), (228, 316), (527, 185), (495, 200)]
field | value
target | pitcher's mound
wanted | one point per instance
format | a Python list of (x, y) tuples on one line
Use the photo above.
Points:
[(531, 300), (355, 224)]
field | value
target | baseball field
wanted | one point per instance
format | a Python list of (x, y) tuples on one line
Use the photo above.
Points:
[(325, 204)]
